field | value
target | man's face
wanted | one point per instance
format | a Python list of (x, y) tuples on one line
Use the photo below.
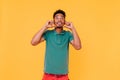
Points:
[(59, 20)]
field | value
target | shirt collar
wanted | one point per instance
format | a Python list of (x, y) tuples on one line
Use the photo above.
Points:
[(63, 31)]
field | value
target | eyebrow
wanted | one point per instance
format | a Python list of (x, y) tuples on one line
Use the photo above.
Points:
[(57, 16)]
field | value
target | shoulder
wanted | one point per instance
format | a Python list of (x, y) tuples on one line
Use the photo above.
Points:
[(67, 32), (48, 31)]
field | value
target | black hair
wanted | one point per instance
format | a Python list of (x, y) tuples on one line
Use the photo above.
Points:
[(59, 11)]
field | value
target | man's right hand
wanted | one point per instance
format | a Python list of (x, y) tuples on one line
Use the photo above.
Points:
[(37, 38), (49, 24)]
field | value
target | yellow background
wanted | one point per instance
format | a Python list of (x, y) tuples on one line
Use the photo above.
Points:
[(97, 23)]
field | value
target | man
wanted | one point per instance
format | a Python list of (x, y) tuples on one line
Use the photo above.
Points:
[(57, 46)]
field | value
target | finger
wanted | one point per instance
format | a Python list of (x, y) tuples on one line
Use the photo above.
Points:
[(51, 22), (67, 23), (48, 22)]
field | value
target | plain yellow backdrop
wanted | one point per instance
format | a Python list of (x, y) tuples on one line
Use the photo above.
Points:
[(97, 23)]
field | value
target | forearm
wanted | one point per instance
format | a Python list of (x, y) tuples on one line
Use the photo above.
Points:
[(76, 40), (37, 37)]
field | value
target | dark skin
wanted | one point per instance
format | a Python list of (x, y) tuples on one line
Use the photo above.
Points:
[(58, 23)]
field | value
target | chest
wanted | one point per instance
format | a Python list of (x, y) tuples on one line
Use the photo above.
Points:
[(60, 40)]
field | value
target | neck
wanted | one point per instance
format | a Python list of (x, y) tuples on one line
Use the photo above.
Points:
[(59, 29)]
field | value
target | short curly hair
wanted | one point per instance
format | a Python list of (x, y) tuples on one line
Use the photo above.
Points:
[(59, 11)]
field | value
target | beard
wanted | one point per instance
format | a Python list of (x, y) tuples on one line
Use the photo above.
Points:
[(59, 27)]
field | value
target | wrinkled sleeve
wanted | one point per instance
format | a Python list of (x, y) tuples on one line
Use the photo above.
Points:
[(70, 36), (45, 34)]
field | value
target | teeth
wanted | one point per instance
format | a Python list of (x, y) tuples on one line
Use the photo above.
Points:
[(59, 23)]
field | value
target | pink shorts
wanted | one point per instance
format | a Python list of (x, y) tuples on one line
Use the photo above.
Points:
[(47, 76)]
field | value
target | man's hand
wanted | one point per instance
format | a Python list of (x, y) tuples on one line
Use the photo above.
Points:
[(49, 24), (37, 38), (69, 25), (76, 41)]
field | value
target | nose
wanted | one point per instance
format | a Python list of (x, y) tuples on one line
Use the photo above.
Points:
[(59, 19)]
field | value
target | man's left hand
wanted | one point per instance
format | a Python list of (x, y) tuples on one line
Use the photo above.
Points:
[(69, 25)]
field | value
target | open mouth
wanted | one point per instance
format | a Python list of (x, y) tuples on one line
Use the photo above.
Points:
[(59, 23), (58, 26)]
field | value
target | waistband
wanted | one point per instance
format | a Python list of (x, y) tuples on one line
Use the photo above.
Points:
[(55, 74)]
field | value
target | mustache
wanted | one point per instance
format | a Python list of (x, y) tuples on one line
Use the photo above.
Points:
[(59, 26)]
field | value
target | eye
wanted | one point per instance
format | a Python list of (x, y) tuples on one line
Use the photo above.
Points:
[(56, 17)]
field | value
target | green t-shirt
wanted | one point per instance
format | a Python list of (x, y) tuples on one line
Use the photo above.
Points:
[(57, 51)]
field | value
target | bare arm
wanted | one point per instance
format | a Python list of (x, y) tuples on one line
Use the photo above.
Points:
[(76, 43), (37, 38)]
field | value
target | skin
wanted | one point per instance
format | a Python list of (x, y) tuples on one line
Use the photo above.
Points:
[(58, 23)]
